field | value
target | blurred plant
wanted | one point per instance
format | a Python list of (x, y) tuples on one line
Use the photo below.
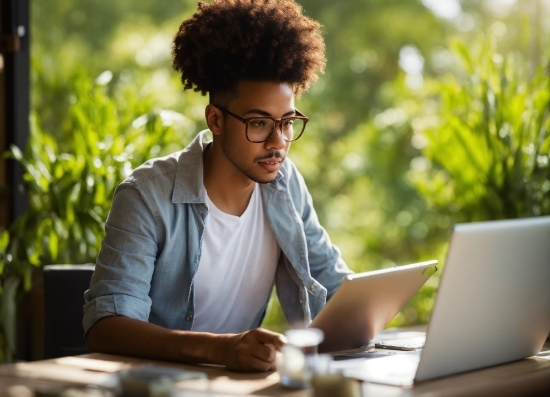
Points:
[(70, 190), (487, 136), (70, 183), (481, 137), (11, 273)]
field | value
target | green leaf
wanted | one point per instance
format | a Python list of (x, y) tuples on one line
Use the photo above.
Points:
[(4, 241), (53, 245)]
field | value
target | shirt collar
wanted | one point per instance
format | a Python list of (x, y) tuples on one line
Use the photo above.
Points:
[(189, 186)]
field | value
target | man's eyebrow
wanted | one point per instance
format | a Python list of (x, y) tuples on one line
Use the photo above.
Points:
[(264, 113)]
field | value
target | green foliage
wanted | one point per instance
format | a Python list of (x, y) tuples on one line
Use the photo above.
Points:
[(488, 139), (11, 272), (70, 178), (130, 38), (362, 54), (70, 183)]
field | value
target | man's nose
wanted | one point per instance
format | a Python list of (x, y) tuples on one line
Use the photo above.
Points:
[(277, 138)]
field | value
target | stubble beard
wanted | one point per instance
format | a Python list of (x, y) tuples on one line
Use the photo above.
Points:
[(232, 155)]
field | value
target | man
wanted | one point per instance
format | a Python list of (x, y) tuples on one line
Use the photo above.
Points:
[(196, 240)]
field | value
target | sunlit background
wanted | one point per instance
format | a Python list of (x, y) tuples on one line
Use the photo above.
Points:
[(430, 112)]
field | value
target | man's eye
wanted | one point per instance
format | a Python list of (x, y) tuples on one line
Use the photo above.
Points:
[(257, 123), (288, 122)]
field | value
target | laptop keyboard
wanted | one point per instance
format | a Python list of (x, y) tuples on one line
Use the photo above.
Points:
[(408, 344)]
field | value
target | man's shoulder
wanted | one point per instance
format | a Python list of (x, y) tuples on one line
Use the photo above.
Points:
[(156, 170), (186, 162)]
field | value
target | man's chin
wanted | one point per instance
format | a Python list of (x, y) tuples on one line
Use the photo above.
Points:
[(263, 177), (264, 180)]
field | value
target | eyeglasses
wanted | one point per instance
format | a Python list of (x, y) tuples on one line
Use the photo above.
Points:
[(260, 129)]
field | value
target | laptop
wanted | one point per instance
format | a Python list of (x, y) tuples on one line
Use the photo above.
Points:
[(492, 307), (366, 302)]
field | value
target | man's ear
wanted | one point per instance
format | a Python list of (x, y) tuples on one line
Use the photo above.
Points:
[(214, 119)]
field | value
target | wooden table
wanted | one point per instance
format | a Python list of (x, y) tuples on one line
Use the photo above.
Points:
[(529, 377)]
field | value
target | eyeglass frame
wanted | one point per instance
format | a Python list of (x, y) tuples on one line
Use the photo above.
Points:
[(276, 122)]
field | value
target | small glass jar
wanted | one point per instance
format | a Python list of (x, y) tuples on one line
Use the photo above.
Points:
[(299, 355)]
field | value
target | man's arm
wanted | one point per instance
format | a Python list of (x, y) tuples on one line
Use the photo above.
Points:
[(325, 261), (253, 350)]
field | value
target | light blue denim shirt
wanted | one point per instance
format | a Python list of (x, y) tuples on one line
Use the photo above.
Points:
[(152, 246)]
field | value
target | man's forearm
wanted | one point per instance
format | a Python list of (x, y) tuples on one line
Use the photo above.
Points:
[(130, 337), (253, 350)]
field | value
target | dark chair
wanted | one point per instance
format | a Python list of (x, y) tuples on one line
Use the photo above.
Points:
[(64, 287)]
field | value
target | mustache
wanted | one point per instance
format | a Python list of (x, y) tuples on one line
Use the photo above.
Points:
[(273, 155)]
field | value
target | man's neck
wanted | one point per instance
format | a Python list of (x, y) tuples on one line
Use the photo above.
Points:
[(226, 186)]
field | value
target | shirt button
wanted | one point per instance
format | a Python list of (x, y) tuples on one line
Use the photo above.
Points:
[(312, 288), (189, 317)]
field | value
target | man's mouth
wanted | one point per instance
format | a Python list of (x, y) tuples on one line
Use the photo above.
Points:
[(271, 164)]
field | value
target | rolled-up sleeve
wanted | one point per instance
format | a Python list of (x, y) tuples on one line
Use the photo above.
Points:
[(122, 279)]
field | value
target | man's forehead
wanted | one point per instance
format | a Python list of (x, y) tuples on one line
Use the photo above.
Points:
[(246, 89), (264, 99), (266, 91)]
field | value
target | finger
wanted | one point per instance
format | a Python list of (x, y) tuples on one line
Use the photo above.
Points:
[(263, 366), (279, 342), (268, 337), (255, 364), (264, 352)]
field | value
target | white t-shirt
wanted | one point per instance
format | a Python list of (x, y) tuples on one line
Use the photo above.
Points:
[(236, 270)]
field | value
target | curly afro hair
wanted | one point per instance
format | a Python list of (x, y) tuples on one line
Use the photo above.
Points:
[(231, 40)]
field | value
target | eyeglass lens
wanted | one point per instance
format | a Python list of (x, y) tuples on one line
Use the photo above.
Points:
[(260, 128)]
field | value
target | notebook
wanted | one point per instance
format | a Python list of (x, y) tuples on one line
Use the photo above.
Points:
[(366, 302), (492, 307)]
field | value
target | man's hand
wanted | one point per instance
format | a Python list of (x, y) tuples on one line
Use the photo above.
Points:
[(254, 350)]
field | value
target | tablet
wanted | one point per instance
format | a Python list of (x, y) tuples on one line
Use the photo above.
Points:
[(366, 302)]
